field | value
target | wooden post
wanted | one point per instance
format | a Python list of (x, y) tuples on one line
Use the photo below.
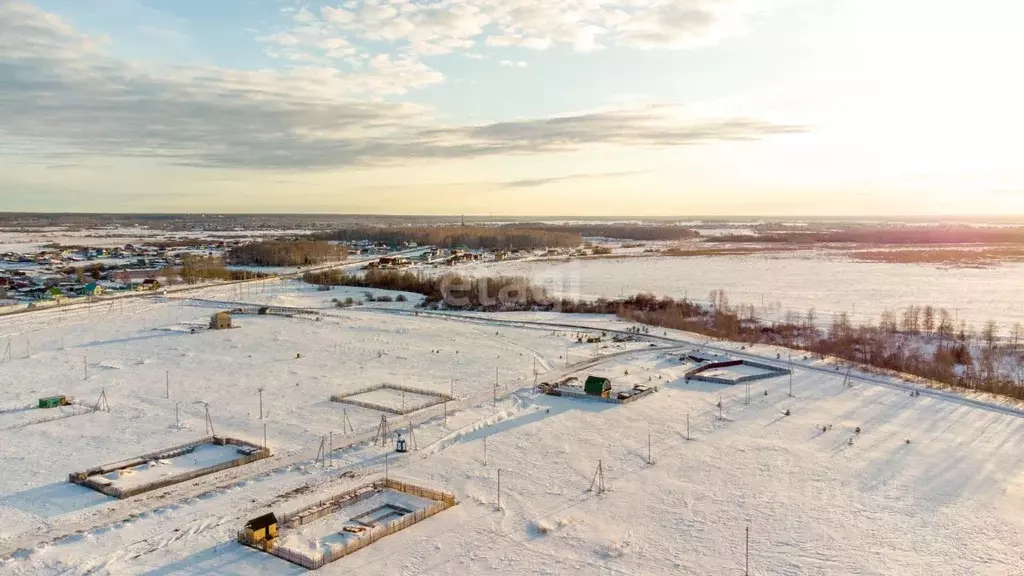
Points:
[(330, 447), (261, 403), (791, 375), (485, 450), (499, 488), (167, 380), (649, 462), (85, 368), (177, 421), (746, 568), (687, 424), (265, 436)]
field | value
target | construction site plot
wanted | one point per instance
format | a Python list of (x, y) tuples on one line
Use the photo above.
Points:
[(13, 418), (171, 466), (331, 529), (392, 399), (730, 371)]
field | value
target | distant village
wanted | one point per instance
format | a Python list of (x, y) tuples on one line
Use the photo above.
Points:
[(60, 273), (55, 274)]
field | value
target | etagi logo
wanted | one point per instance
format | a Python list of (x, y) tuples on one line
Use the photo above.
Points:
[(545, 292)]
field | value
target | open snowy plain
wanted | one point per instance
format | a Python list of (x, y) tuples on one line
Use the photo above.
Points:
[(684, 477)]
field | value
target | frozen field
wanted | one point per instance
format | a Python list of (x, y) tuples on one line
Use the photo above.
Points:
[(319, 537), (395, 399), (684, 478), (736, 371), (204, 456), (775, 283)]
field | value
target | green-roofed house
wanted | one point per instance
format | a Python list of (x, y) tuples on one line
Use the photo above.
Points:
[(597, 386)]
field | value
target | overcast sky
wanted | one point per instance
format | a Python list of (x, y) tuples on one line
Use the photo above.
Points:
[(588, 107)]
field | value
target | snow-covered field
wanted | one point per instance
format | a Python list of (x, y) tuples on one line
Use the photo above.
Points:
[(951, 501), (775, 283), (203, 456), (317, 538), (24, 241)]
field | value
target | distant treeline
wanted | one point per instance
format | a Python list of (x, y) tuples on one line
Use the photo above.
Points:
[(889, 235), (617, 231), (947, 353), (922, 340), (474, 237), (298, 253), (507, 293), (195, 269)]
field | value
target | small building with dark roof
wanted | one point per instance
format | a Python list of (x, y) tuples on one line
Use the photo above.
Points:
[(597, 386), (261, 528)]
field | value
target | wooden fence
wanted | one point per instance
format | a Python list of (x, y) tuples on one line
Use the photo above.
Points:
[(441, 501), (770, 372), (87, 478), (346, 398)]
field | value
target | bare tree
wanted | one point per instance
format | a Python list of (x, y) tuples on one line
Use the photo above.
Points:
[(990, 334), (888, 323), (1015, 334), (912, 319), (811, 315), (928, 319), (945, 327)]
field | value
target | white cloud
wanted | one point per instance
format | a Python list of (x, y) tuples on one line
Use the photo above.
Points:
[(583, 25), (513, 64), (65, 99), (338, 15)]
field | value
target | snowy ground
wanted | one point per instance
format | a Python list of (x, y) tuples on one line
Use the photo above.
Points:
[(778, 282), (204, 456), (395, 399), (949, 502), (317, 538), (736, 371)]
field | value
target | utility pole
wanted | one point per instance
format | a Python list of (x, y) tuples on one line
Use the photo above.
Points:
[(167, 380), (261, 402), (330, 447), (790, 374), (265, 436), (499, 489), (598, 479), (649, 461), (85, 367), (687, 424), (209, 422), (177, 421), (746, 568), (485, 450)]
